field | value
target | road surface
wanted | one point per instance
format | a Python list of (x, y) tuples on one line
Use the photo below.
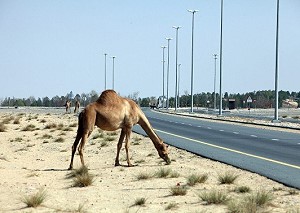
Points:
[(274, 154)]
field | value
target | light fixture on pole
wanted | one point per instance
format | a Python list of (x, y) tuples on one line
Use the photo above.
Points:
[(176, 71), (192, 61), (105, 54), (215, 79), (276, 68), (113, 74), (168, 71), (221, 45), (163, 75)]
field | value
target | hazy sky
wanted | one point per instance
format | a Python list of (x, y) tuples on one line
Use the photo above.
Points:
[(52, 47)]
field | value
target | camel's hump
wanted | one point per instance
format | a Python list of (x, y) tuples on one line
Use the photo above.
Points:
[(108, 96)]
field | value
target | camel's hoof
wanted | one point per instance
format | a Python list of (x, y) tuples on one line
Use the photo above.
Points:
[(117, 164), (70, 168)]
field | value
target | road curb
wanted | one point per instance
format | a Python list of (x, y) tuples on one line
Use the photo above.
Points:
[(229, 121)]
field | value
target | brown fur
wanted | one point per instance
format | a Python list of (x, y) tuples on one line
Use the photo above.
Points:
[(111, 112), (68, 106), (77, 106)]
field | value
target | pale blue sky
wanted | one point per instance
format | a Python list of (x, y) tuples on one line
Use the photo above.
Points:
[(52, 47)]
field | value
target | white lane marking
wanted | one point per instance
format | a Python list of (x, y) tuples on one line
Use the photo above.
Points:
[(190, 125), (221, 130), (183, 123), (254, 136), (208, 127), (199, 126), (236, 133), (275, 139), (233, 150)]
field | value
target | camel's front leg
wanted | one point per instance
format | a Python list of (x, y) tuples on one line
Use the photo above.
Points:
[(127, 143), (119, 146)]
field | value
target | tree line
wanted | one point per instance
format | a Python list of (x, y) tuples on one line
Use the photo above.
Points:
[(260, 99)]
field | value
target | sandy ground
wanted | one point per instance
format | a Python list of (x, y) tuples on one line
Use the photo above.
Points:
[(31, 160)]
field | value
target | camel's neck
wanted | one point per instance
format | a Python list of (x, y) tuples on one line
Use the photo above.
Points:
[(144, 123)]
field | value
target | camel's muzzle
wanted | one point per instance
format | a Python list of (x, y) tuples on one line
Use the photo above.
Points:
[(167, 159)]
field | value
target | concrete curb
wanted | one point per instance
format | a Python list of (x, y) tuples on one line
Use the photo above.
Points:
[(229, 121)]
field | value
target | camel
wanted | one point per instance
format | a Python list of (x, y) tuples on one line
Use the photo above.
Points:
[(77, 106), (68, 106), (111, 112)]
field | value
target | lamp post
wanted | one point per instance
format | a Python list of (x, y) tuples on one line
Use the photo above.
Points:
[(192, 62), (105, 54), (178, 85), (113, 74), (163, 74), (176, 65), (215, 78), (276, 68), (168, 71), (221, 45)]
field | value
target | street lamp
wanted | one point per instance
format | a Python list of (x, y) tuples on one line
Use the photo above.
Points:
[(113, 74), (163, 74), (276, 68), (105, 54), (215, 78), (176, 73), (192, 63), (178, 85), (168, 70), (221, 45)]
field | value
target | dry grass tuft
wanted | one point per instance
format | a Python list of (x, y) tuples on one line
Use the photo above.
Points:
[(214, 197), (81, 177), (179, 190), (171, 206), (194, 179), (35, 200), (252, 203), (17, 120), (29, 127), (144, 176), (83, 180), (51, 126), (140, 201), (227, 178), (59, 140), (242, 189), (2, 127), (163, 173)]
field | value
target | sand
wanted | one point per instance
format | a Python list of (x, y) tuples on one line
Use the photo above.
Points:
[(37, 159)]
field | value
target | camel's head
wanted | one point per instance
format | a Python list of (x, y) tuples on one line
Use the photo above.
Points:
[(163, 153)]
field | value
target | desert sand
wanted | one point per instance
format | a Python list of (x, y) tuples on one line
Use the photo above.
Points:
[(35, 154)]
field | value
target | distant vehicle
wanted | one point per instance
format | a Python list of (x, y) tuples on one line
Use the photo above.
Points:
[(161, 102)]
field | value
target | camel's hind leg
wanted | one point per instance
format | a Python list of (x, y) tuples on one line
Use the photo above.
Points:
[(127, 143), (81, 146), (119, 146), (75, 144)]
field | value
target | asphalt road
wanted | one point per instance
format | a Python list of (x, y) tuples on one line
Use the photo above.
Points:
[(274, 154)]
